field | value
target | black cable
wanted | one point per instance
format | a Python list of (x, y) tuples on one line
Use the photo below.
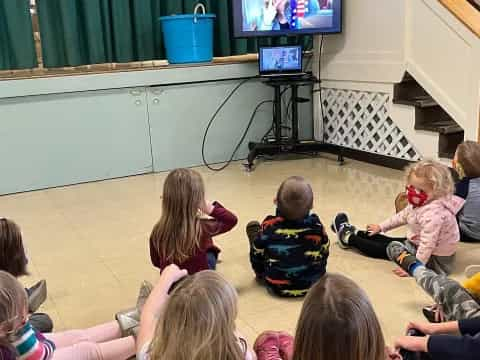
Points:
[(244, 135), (214, 117)]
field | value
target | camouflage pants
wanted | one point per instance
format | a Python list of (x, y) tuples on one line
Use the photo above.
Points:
[(456, 302)]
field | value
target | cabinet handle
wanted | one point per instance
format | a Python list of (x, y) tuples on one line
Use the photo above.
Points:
[(156, 101), (136, 92), (138, 102)]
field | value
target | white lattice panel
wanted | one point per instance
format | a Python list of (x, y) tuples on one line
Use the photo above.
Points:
[(359, 120)]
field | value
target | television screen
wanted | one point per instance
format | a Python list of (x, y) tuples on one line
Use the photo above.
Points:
[(286, 17)]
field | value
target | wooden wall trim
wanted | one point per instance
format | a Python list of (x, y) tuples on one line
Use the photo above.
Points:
[(465, 12)]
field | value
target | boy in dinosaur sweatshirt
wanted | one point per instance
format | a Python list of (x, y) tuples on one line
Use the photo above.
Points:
[(289, 251)]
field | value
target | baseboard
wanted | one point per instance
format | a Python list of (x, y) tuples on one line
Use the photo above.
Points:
[(371, 158)]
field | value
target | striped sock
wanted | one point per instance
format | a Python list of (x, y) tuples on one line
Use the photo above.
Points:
[(30, 347)]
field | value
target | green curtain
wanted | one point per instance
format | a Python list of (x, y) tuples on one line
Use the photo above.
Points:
[(97, 31), (17, 47)]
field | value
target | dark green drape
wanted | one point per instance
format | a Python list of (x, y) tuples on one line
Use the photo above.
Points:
[(97, 31), (17, 47)]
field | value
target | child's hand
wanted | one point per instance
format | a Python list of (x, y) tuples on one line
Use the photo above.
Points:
[(171, 274), (425, 328), (207, 208), (412, 343), (392, 354), (400, 272), (373, 229)]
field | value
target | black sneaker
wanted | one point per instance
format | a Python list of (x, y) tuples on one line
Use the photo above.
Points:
[(252, 229), (342, 227), (398, 253), (434, 313)]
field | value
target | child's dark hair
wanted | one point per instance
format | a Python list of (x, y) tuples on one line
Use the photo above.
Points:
[(294, 198), (12, 254), (468, 154)]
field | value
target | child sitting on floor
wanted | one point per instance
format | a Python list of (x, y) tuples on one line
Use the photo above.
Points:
[(191, 318), (18, 340), (337, 322), (467, 164), (14, 261), (289, 251), (433, 232), (453, 301), (182, 236)]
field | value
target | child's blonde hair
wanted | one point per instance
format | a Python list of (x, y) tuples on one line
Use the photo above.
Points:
[(338, 322), (435, 174), (198, 322), (13, 305), (176, 235)]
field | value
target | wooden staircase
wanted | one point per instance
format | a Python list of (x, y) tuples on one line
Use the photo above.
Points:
[(429, 116)]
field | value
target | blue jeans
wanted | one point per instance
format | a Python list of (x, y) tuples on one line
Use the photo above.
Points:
[(212, 258)]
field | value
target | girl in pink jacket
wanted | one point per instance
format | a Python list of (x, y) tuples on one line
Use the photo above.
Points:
[(433, 232)]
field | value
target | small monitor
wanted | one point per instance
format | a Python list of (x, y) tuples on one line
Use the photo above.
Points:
[(280, 60)]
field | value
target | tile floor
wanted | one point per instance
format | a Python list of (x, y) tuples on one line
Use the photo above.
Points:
[(90, 241)]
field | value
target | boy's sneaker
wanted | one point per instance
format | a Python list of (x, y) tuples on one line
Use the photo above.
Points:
[(342, 228), (253, 228), (472, 270), (286, 342), (37, 295), (398, 253), (434, 313), (267, 346)]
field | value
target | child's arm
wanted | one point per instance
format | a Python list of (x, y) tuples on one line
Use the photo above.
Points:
[(155, 303), (32, 345), (462, 187), (396, 220), (223, 219), (440, 346)]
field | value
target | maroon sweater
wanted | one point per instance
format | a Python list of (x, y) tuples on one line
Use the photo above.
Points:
[(221, 222)]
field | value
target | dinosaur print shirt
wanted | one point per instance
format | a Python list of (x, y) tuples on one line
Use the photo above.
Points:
[(295, 253)]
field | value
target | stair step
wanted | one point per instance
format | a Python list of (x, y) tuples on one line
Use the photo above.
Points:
[(442, 127), (447, 144), (417, 101)]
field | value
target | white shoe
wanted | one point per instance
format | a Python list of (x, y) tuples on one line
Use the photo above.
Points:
[(472, 270)]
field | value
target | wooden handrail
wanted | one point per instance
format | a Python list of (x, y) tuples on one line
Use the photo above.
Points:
[(465, 12)]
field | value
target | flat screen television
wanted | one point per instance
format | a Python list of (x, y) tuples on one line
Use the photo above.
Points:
[(254, 18)]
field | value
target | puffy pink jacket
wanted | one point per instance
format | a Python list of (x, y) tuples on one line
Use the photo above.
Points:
[(432, 227)]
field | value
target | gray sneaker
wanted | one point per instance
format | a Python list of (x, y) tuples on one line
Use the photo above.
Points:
[(37, 295)]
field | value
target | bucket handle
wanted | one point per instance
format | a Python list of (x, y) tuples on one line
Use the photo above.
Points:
[(195, 11)]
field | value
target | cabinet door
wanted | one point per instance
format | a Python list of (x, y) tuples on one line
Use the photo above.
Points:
[(62, 139), (179, 116)]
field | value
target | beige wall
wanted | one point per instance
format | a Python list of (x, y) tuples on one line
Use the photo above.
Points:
[(371, 47)]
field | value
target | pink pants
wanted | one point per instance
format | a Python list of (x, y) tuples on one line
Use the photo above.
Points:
[(103, 342)]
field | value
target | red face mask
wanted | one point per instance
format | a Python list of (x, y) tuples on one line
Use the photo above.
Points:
[(416, 197)]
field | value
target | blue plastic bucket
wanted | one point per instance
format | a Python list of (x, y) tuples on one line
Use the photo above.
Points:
[(188, 38)]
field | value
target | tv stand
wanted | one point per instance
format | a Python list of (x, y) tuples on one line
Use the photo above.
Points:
[(292, 144)]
